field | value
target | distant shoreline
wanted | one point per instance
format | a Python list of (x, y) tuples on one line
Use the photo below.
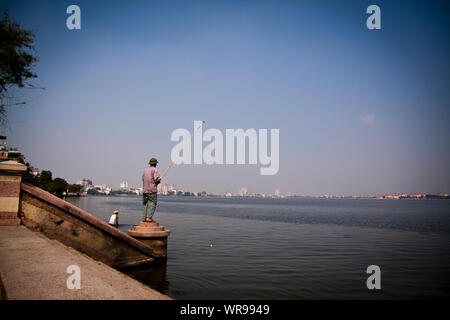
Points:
[(256, 197)]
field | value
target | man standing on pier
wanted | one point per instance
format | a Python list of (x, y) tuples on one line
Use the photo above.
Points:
[(150, 181)]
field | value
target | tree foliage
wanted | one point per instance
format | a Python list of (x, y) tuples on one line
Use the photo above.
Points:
[(45, 179), (29, 176), (16, 61), (74, 188), (57, 186)]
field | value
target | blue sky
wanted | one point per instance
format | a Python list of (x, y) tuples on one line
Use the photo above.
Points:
[(359, 111)]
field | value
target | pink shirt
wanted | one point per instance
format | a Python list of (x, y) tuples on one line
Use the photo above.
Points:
[(149, 177)]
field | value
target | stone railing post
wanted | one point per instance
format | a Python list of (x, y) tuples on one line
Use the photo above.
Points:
[(10, 178)]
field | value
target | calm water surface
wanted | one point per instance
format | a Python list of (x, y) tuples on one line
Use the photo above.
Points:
[(244, 248)]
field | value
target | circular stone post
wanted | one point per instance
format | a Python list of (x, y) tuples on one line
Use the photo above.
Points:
[(152, 235)]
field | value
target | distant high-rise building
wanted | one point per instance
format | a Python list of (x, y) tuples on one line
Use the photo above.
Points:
[(84, 182), (124, 186), (164, 189), (243, 192), (277, 193)]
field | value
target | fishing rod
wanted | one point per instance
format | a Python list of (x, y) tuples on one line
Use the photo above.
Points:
[(181, 150)]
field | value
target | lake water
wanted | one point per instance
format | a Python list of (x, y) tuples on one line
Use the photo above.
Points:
[(247, 248)]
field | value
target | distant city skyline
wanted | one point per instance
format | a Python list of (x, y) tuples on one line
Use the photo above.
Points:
[(358, 111), (168, 189)]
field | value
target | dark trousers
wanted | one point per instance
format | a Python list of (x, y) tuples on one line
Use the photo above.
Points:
[(149, 201)]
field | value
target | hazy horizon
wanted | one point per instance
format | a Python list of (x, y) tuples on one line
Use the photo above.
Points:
[(359, 111)]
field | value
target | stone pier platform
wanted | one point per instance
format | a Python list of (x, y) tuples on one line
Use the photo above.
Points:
[(33, 267), (152, 235)]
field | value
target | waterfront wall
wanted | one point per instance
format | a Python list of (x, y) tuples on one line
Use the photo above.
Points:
[(38, 210), (60, 220)]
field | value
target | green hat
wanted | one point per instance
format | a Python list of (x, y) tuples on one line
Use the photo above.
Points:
[(153, 161)]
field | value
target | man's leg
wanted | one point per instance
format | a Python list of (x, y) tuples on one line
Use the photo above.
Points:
[(144, 212), (146, 207), (152, 205)]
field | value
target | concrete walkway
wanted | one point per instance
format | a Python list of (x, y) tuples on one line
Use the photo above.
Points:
[(33, 267)]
